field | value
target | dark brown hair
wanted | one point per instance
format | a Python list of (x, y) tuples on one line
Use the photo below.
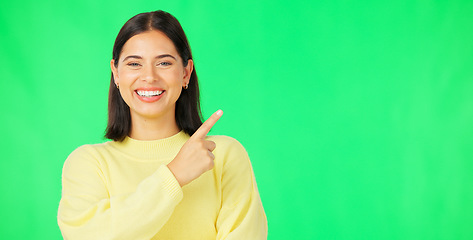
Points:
[(188, 114)]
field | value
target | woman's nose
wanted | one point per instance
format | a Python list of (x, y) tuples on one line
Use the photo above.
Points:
[(149, 74)]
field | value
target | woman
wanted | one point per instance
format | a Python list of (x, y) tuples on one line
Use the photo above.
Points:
[(161, 177)]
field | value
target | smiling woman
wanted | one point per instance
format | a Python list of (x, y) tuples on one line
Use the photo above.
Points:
[(136, 37), (161, 177), (150, 75)]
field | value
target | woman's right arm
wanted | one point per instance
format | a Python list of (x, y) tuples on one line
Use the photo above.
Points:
[(86, 210)]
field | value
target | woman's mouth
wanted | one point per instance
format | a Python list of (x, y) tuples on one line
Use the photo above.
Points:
[(144, 93), (149, 96)]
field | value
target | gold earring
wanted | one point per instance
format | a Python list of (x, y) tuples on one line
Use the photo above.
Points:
[(118, 87), (186, 86)]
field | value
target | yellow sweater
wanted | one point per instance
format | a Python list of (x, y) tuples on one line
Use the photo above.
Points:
[(124, 190)]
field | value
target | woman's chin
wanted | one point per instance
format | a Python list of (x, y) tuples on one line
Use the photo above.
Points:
[(153, 113)]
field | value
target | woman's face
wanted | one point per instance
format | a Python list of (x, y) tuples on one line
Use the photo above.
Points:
[(150, 75)]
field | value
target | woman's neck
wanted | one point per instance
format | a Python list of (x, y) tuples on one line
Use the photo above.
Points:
[(143, 128)]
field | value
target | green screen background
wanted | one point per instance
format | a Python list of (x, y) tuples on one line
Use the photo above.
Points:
[(357, 115)]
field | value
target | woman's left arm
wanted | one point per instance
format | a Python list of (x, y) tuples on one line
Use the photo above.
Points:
[(242, 215)]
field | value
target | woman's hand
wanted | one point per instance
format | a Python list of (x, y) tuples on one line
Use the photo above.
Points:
[(195, 156)]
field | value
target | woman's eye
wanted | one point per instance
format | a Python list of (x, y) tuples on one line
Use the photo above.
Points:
[(164, 64), (133, 64)]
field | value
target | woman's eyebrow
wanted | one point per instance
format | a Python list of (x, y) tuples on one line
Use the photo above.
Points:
[(165, 55), (157, 57), (132, 56)]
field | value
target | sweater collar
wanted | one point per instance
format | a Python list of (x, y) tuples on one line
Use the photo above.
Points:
[(152, 150)]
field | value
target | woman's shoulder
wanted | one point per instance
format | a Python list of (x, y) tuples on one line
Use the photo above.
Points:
[(88, 149), (224, 140), (227, 144), (88, 153)]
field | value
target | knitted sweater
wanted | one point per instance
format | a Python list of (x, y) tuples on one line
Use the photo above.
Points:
[(124, 190)]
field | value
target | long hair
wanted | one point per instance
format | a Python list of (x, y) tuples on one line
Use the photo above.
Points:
[(188, 114)]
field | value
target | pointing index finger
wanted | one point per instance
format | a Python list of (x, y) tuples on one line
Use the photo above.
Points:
[(207, 125)]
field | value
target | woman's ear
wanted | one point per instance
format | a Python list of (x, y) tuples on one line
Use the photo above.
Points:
[(188, 71), (114, 71)]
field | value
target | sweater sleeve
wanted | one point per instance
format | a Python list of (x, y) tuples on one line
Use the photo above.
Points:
[(242, 215), (86, 210)]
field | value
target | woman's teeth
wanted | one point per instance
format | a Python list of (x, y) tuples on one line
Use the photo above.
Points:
[(149, 93)]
